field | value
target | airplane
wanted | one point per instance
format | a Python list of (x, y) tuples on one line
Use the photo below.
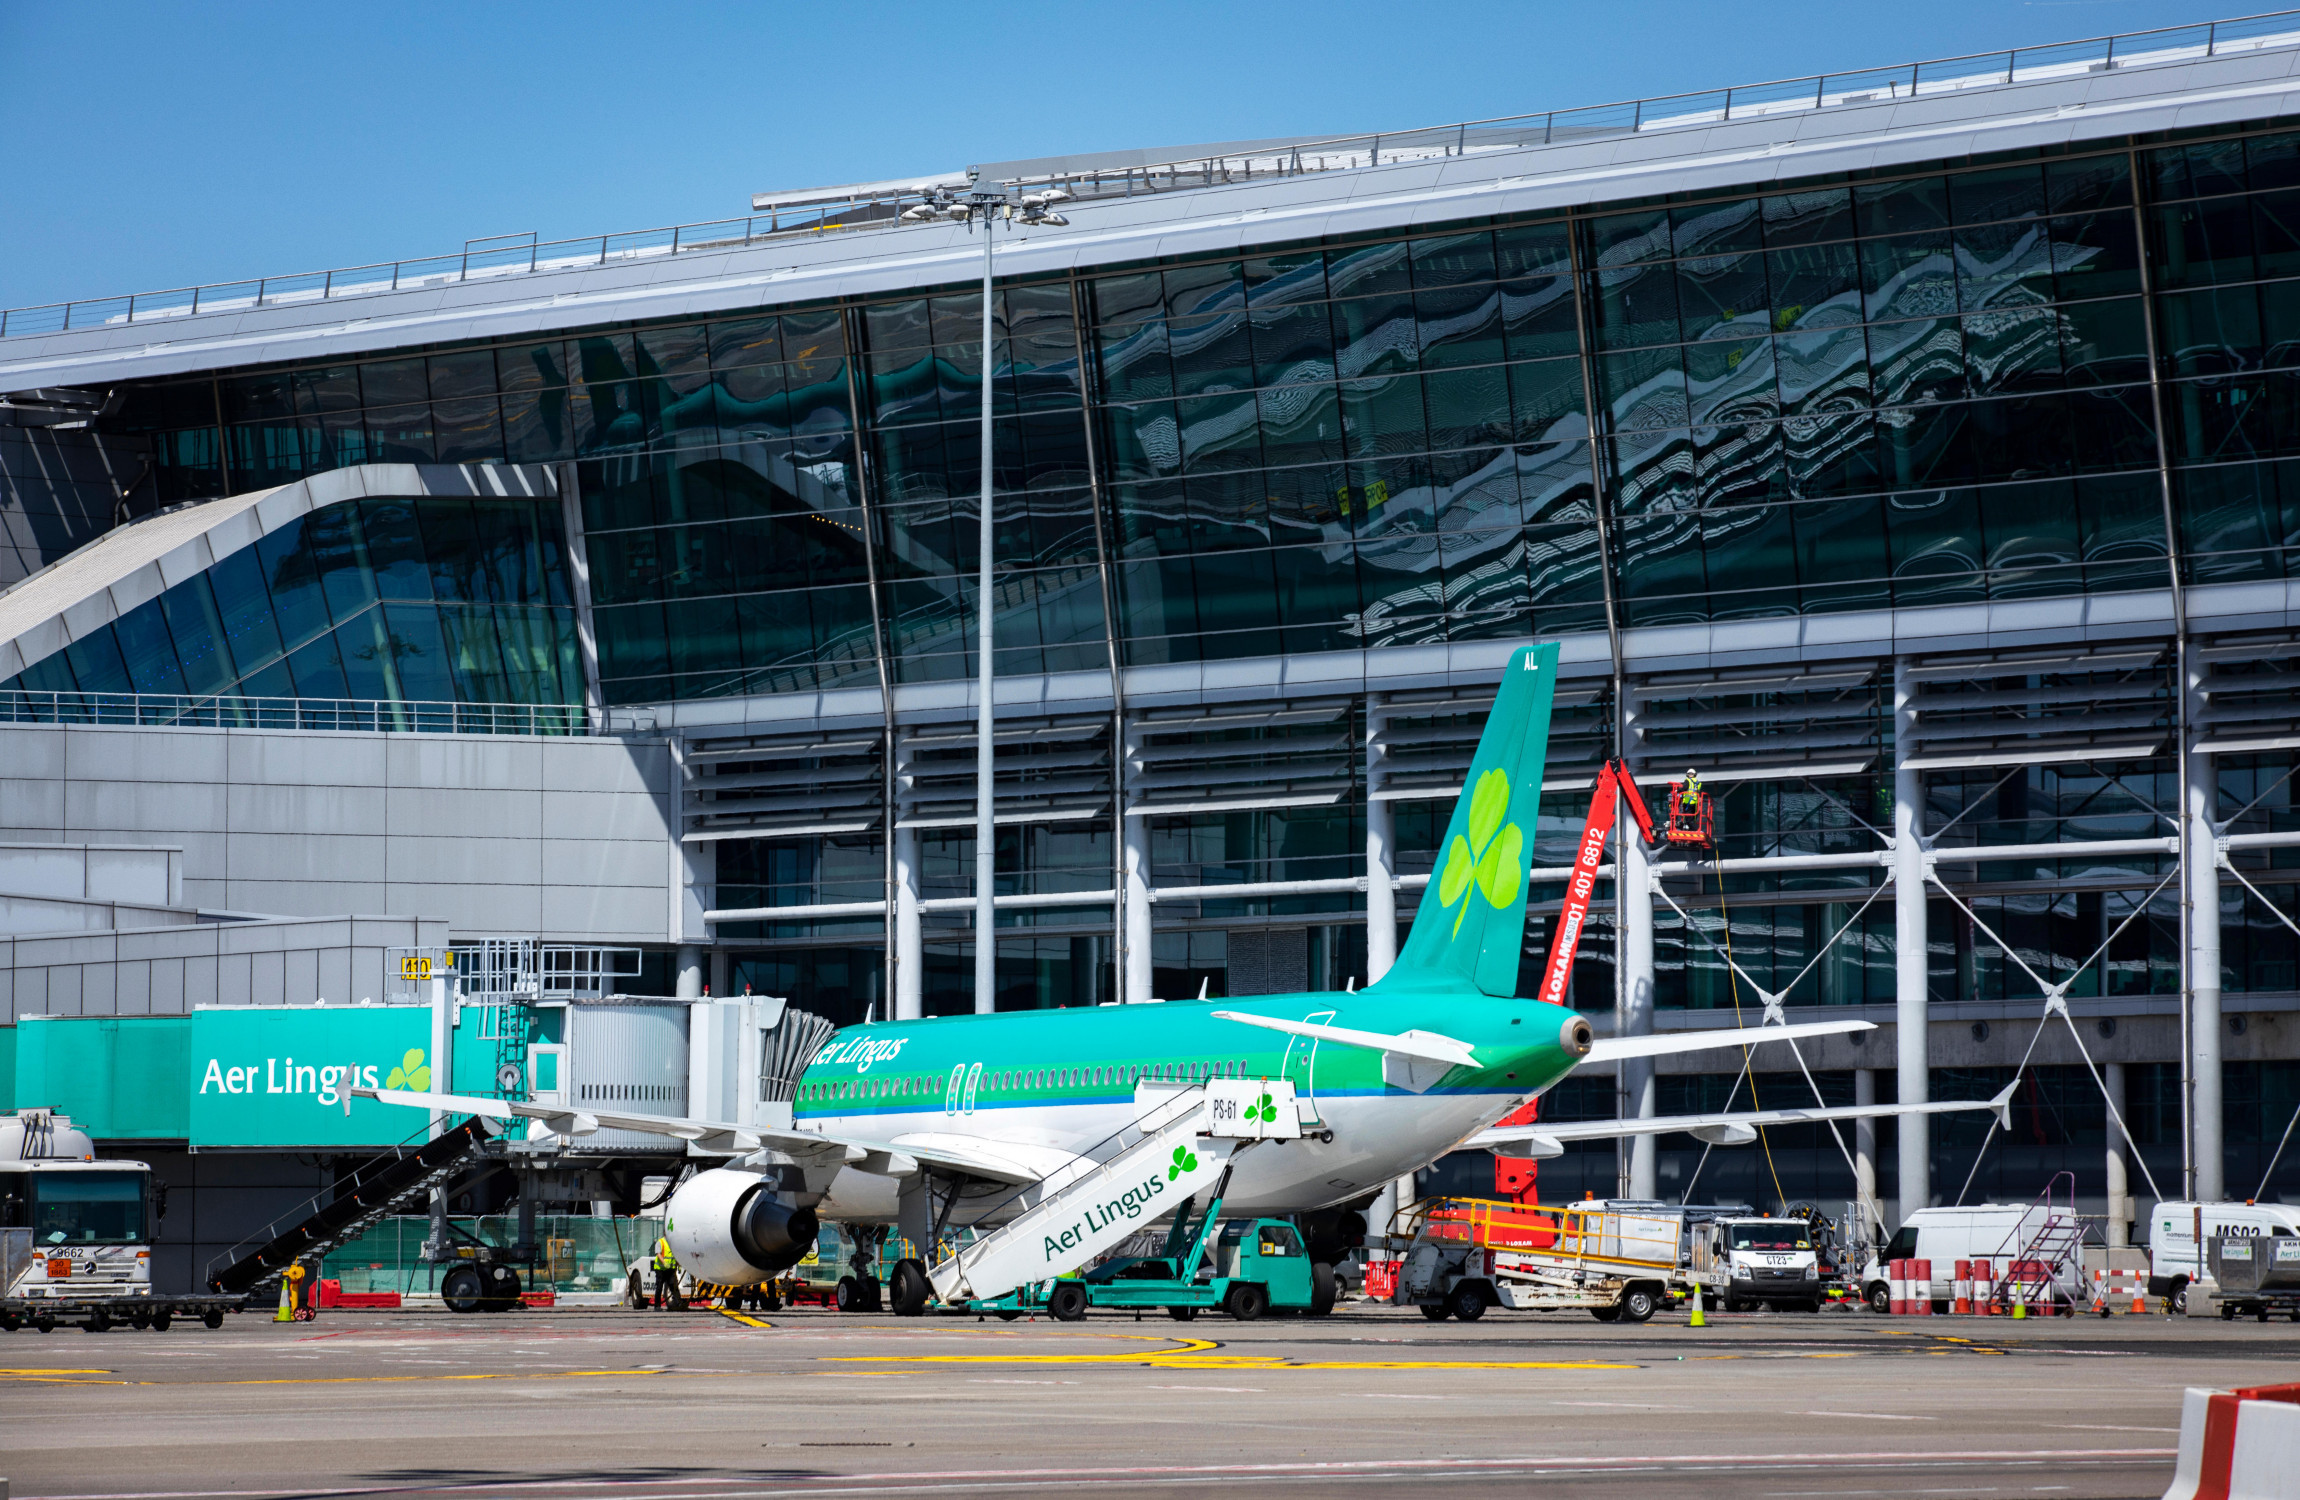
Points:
[(978, 1120)]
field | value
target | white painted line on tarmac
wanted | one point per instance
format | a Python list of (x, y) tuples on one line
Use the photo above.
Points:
[(1868, 1416)]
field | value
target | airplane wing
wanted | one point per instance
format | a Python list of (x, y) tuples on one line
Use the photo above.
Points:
[(1661, 1044), (1016, 1165), (1541, 1141), (1411, 1060)]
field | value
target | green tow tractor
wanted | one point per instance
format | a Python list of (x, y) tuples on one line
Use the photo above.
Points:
[(1255, 1266)]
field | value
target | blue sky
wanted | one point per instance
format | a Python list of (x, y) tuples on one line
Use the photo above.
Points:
[(155, 146)]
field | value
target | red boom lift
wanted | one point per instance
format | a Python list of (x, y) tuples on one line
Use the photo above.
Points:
[(1688, 825)]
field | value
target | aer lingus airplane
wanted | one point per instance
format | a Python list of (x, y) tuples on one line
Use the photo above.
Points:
[(988, 1119)]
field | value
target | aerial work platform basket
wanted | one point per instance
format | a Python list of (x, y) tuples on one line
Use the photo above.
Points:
[(1692, 815)]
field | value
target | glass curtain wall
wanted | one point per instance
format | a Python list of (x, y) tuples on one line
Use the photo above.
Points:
[(1835, 395), (430, 600)]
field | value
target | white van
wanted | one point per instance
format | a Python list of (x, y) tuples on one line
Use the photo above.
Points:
[(1981, 1231), (2172, 1242)]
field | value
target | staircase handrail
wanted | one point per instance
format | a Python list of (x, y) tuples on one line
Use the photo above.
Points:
[(363, 1176)]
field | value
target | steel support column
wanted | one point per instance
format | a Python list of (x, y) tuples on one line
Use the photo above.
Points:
[(691, 972), (2202, 878), (909, 942), (1633, 989), (2118, 1229), (1865, 1137), (1910, 1009), (1381, 849), (1135, 983)]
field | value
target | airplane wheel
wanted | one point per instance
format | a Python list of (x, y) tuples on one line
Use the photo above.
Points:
[(463, 1290), (911, 1289), (1067, 1302), (1434, 1311), (1321, 1290), (1248, 1301), (848, 1296)]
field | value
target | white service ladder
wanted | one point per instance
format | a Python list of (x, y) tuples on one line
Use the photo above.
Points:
[(1091, 1207)]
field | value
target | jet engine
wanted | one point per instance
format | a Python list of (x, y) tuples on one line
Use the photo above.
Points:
[(730, 1227)]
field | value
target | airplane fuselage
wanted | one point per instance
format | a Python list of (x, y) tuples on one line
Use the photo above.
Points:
[(1072, 1082)]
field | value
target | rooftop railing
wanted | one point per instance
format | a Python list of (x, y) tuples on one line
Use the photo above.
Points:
[(354, 715), (521, 255)]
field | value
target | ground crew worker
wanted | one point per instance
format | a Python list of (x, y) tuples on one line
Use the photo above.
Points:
[(1692, 796), (666, 1275)]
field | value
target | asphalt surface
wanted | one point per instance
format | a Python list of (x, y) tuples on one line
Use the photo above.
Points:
[(704, 1406)]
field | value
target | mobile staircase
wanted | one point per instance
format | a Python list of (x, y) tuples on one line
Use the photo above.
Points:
[(1185, 1143), (2044, 1255), (382, 1186)]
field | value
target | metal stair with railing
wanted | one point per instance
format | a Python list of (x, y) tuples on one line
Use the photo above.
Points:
[(336, 1217), (2043, 1258)]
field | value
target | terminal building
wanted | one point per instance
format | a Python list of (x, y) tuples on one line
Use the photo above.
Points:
[(1914, 453)]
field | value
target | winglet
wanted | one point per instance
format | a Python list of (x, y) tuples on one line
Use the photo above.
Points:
[(2002, 1104)]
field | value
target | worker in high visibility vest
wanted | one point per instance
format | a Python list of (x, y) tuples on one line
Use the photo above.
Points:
[(666, 1275), (1691, 798)]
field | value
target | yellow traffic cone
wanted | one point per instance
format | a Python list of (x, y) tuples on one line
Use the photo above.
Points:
[(1697, 1320)]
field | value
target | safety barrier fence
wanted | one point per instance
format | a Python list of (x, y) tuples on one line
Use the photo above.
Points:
[(848, 211), (232, 711)]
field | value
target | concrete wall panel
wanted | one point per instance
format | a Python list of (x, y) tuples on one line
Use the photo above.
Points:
[(167, 987), (606, 815)]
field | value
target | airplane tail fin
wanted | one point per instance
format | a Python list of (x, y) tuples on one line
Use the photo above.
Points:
[(1471, 924)]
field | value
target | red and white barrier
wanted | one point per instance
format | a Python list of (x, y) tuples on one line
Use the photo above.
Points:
[(2238, 1445), (1897, 1286), (1984, 1289), (1921, 1287), (1961, 1291), (2119, 1291)]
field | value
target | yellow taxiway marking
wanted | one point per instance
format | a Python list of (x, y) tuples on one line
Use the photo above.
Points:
[(56, 1378), (1199, 1354), (746, 1320)]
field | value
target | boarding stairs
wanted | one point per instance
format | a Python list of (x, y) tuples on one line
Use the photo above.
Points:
[(1184, 1144), (2044, 1256), (381, 1186)]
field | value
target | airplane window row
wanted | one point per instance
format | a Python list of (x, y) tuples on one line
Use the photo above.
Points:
[(1028, 1079)]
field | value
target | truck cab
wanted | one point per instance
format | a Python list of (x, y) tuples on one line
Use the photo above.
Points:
[(71, 1226), (1762, 1260), (2175, 1251)]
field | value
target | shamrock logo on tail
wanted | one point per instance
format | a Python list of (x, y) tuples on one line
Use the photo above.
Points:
[(1185, 1160), (412, 1072), (1265, 1111), (1492, 856)]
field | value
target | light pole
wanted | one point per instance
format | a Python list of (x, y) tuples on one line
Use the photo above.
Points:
[(988, 202)]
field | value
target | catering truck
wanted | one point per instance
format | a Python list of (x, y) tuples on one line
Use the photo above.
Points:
[(75, 1234)]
